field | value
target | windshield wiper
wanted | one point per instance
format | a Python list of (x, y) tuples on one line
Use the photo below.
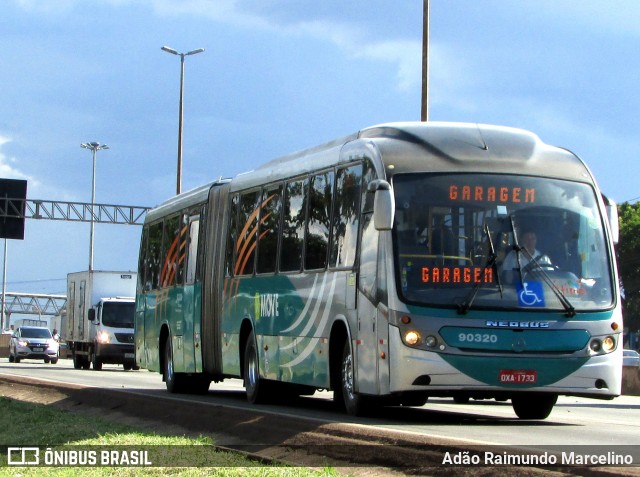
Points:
[(569, 308), (464, 307)]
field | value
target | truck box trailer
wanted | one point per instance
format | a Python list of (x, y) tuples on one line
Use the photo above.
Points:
[(100, 318)]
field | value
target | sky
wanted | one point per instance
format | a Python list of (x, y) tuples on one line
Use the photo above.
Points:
[(278, 76)]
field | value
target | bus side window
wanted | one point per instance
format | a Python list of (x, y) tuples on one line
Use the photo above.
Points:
[(346, 216), (192, 249), (368, 258), (248, 233), (368, 175), (142, 259), (319, 217), (152, 267), (233, 233), (293, 226), (170, 251), (270, 212)]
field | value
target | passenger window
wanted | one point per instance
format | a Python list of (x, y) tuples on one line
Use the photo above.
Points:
[(248, 232), (142, 259), (293, 225), (152, 274), (317, 239), (346, 216), (270, 211), (171, 251), (233, 234), (192, 253), (369, 174)]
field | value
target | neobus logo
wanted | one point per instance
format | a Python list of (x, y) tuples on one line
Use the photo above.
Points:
[(518, 324), (266, 305)]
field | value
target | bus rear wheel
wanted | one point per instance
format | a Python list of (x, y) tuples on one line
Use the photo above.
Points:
[(173, 380), (257, 388), (533, 406)]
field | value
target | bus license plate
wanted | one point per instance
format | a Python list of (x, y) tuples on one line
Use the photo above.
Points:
[(518, 376), (129, 355)]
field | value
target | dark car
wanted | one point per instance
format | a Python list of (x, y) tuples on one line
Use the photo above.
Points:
[(33, 342)]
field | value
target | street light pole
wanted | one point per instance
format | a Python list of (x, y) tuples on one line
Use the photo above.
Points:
[(94, 147), (180, 114), (424, 113)]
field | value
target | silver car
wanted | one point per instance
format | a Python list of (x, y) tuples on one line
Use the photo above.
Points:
[(630, 358), (33, 342)]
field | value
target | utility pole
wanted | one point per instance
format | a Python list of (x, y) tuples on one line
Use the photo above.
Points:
[(425, 61)]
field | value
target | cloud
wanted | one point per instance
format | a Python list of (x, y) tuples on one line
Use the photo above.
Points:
[(405, 54), (46, 6), (7, 166), (352, 39)]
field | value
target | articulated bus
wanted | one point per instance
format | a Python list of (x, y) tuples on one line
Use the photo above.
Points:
[(389, 266)]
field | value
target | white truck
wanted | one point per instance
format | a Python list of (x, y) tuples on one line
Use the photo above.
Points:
[(100, 318)]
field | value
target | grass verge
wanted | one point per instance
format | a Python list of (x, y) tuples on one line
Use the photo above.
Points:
[(38, 425)]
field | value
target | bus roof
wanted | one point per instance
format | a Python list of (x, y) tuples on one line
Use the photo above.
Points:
[(431, 147), (183, 201), (412, 147), (470, 147)]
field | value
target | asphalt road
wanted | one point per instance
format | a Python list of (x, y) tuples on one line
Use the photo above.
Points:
[(574, 421)]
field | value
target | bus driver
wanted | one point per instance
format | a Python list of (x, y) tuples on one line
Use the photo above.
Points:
[(524, 258)]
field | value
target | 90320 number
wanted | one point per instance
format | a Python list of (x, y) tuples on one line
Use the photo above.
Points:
[(477, 338)]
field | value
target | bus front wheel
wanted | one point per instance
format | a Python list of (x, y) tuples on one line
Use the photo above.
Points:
[(533, 406), (354, 403)]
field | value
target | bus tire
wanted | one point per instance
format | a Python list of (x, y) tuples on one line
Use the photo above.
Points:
[(174, 381), (355, 404), (533, 406), (256, 388)]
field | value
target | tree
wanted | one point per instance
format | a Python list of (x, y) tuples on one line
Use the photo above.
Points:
[(629, 262)]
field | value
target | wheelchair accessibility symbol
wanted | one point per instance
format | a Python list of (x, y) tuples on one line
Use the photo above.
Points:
[(530, 294)]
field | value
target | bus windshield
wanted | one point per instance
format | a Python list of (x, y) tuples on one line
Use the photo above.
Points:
[(500, 241)]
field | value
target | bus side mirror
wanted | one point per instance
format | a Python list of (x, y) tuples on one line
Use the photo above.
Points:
[(612, 217), (384, 204)]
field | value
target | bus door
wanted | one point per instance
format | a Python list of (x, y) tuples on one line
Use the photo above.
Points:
[(192, 297), (371, 334)]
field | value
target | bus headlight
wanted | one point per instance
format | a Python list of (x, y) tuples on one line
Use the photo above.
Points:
[(602, 346), (412, 338), (608, 344), (431, 341)]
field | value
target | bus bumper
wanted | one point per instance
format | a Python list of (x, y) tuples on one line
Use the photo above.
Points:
[(420, 370)]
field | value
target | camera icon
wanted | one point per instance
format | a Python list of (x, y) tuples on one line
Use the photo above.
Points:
[(23, 456)]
